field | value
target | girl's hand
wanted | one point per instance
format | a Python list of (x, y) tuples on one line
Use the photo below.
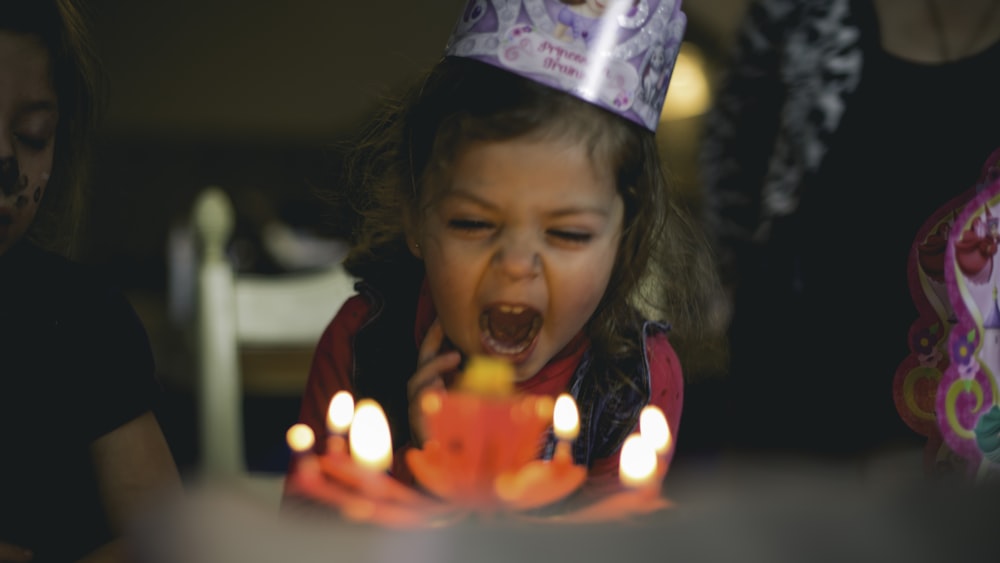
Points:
[(432, 366), (10, 553)]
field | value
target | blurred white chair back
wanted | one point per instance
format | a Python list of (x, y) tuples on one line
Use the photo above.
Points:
[(238, 310)]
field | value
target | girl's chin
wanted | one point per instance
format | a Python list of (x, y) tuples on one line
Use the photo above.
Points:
[(525, 372)]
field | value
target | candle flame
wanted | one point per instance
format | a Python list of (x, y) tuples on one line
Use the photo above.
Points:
[(300, 438), (637, 465), (653, 427), (371, 442), (565, 418), (341, 412)]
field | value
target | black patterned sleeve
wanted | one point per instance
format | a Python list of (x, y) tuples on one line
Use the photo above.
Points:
[(741, 128)]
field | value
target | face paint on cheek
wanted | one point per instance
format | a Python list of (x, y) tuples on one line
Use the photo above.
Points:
[(40, 188)]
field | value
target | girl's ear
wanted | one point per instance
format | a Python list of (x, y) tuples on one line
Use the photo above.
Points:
[(411, 230)]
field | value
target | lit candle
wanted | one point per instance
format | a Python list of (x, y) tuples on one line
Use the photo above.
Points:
[(301, 440), (566, 427), (637, 465), (654, 428), (359, 482), (338, 420), (370, 440)]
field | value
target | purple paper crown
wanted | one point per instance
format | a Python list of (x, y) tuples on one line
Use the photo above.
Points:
[(616, 54)]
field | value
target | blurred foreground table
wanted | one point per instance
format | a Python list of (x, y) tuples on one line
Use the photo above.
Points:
[(750, 509)]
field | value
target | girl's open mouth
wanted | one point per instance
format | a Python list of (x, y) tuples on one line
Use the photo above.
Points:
[(510, 330)]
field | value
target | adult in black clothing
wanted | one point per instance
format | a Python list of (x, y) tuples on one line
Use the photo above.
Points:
[(82, 452), (840, 127)]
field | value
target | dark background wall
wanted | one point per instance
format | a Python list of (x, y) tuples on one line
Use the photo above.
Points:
[(254, 96), (292, 69)]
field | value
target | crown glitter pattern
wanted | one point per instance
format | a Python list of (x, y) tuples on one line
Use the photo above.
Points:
[(616, 54)]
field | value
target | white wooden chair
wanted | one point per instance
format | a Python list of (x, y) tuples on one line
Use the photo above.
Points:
[(234, 313)]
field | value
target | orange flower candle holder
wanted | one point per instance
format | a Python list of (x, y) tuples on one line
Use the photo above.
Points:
[(480, 458)]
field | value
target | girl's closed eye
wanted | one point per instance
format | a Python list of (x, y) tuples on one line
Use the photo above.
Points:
[(34, 143), (36, 130), (470, 226), (571, 236)]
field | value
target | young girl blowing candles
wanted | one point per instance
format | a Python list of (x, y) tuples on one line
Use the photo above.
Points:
[(513, 206)]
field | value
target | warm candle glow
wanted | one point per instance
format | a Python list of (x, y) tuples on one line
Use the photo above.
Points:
[(653, 427), (300, 438), (565, 418), (371, 443), (430, 402), (544, 406), (637, 465), (341, 412)]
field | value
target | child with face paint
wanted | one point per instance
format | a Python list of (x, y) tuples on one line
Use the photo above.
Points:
[(83, 451), (499, 215)]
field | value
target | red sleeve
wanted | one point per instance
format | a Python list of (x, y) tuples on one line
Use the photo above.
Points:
[(332, 364), (331, 370), (667, 384), (666, 392)]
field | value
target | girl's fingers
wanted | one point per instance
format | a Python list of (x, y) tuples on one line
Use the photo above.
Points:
[(432, 366), (431, 345), (430, 374)]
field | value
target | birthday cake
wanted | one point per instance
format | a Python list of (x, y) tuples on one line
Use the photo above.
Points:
[(481, 457)]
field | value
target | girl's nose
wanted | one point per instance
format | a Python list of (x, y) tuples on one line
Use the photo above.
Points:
[(517, 256), (9, 175), (9, 170)]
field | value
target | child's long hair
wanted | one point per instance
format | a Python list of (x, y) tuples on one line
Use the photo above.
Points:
[(78, 80), (661, 269)]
